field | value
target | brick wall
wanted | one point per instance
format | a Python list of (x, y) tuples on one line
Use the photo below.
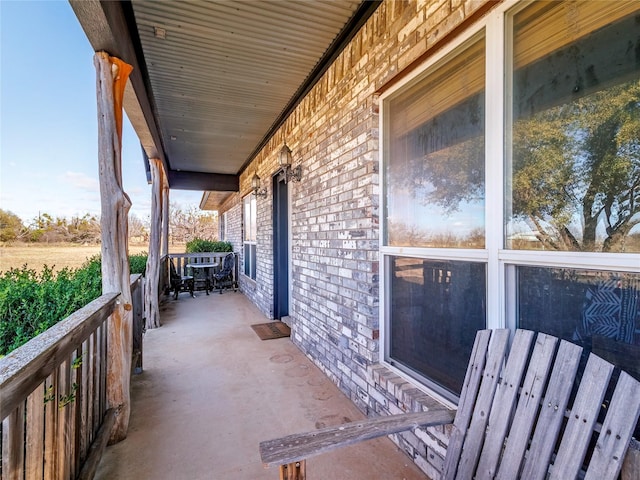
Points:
[(333, 133)]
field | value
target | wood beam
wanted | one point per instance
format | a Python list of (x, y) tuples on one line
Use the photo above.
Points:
[(203, 181)]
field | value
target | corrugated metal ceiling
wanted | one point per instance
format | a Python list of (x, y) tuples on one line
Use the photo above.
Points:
[(222, 72)]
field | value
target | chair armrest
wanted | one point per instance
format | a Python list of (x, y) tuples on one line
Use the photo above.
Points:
[(301, 446)]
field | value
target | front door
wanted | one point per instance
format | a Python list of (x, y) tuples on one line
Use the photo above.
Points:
[(280, 248)]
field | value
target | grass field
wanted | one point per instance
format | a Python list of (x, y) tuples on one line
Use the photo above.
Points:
[(35, 255)]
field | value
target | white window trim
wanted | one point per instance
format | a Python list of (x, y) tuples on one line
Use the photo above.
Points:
[(501, 262), (248, 242), (225, 227)]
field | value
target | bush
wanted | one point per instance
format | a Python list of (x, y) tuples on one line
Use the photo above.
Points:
[(30, 303), (138, 263), (198, 245)]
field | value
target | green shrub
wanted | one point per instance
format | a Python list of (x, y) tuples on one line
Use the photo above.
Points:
[(138, 263), (32, 302), (198, 245)]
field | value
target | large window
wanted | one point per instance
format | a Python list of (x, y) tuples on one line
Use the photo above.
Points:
[(250, 234), (511, 189), (434, 198)]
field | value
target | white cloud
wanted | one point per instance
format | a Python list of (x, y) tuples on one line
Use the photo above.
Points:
[(81, 181)]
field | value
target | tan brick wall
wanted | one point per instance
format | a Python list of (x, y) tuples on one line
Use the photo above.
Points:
[(335, 212)]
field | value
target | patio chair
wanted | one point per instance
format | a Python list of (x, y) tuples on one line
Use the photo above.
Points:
[(224, 278), (520, 415), (180, 283)]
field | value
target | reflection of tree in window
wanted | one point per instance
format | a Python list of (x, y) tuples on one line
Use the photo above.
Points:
[(576, 147), (576, 172), (435, 157)]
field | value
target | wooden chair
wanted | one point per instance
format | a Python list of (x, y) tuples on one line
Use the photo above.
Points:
[(180, 283), (521, 415)]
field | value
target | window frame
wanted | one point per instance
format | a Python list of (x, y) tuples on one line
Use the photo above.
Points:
[(249, 225), (501, 263), (223, 227)]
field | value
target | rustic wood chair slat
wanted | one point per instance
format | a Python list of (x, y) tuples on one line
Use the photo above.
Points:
[(468, 396), (616, 430), (477, 428), (582, 419), (530, 394), (552, 411), (505, 401)]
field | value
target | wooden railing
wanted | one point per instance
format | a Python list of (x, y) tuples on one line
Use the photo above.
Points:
[(55, 421), (181, 260), (137, 299)]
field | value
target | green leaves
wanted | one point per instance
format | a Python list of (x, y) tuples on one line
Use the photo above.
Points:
[(198, 245), (32, 302)]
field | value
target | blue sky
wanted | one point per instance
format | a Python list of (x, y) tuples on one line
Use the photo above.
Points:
[(48, 126)]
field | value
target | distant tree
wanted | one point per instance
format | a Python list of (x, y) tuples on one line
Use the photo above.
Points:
[(11, 226), (186, 225), (137, 228), (85, 229)]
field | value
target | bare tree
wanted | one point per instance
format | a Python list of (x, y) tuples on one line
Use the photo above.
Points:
[(138, 230), (185, 225)]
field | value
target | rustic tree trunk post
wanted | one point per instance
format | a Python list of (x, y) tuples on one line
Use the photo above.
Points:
[(165, 217), (153, 261), (111, 78)]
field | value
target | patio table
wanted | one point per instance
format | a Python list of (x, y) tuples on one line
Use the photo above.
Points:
[(206, 269)]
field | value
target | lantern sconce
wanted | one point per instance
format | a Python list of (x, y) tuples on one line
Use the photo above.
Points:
[(255, 186), (285, 159)]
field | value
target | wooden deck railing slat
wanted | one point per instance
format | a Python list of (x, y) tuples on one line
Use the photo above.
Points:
[(34, 466), (12, 444), (50, 430), (25, 368)]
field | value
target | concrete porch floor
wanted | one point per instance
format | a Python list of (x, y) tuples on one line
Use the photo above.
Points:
[(211, 391)]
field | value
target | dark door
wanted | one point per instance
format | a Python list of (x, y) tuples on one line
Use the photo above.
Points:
[(280, 248)]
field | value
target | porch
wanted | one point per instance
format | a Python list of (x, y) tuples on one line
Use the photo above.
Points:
[(211, 390)]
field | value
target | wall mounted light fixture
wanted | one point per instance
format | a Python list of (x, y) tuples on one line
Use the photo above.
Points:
[(285, 159), (255, 185)]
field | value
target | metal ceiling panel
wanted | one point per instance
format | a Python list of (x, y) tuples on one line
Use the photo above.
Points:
[(222, 72)]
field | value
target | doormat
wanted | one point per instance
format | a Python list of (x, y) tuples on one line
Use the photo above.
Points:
[(271, 330)]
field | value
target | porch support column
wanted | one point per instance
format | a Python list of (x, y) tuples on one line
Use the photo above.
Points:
[(111, 78), (151, 285), (165, 217)]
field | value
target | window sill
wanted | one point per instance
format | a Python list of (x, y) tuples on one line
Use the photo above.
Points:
[(402, 394), (248, 280)]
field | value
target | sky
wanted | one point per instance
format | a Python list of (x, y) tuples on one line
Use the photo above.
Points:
[(48, 119)]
